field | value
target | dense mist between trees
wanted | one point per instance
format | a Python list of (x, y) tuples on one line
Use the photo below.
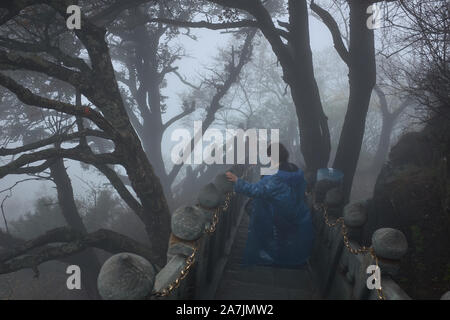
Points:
[(87, 114)]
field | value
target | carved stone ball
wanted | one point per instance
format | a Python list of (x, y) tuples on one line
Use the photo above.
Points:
[(188, 223), (209, 196), (126, 276), (355, 214), (389, 243), (222, 184)]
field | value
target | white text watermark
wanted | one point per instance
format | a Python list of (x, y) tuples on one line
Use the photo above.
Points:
[(221, 148)]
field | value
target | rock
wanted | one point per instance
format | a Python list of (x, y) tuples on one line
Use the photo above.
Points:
[(412, 148), (334, 197), (390, 175), (389, 243), (222, 184), (126, 276), (355, 214), (188, 223), (209, 196), (446, 296)]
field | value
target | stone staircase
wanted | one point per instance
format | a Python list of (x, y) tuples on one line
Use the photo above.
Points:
[(262, 283)]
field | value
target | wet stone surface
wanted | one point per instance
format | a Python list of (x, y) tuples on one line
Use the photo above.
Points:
[(188, 223), (126, 276)]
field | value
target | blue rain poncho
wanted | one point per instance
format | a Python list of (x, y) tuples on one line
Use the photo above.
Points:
[(280, 230)]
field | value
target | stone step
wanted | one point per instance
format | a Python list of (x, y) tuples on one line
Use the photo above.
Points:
[(239, 290), (294, 279), (265, 283), (264, 278)]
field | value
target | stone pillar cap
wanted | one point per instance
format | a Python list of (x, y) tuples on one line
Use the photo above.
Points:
[(389, 243), (188, 223), (126, 276), (355, 214)]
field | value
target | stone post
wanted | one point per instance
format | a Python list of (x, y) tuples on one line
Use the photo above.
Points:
[(334, 199), (390, 246), (209, 198), (355, 217)]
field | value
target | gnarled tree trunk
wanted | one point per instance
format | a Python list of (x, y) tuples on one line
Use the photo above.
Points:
[(362, 77), (87, 260)]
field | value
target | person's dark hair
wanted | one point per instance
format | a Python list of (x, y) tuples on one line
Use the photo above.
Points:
[(283, 153)]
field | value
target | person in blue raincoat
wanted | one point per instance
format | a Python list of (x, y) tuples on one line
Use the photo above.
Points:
[(280, 229)]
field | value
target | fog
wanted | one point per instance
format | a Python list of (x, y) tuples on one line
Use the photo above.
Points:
[(356, 94), (199, 54)]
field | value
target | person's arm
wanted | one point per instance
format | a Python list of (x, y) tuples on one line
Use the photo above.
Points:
[(260, 189)]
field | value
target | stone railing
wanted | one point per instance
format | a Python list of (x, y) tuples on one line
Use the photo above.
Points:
[(339, 261), (199, 245)]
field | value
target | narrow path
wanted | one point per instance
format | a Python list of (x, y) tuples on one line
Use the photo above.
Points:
[(264, 283)]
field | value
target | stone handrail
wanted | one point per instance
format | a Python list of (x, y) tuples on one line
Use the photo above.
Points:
[(340, 273), (199, 247), (200, 242)]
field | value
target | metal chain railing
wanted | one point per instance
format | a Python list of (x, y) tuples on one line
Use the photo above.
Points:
[(183, 273), (191, 259), (346, 241), (223, 208)]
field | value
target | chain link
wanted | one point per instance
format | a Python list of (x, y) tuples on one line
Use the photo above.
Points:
[(183, 273), (344, 231), (228, 197), (191, 259), (215, 219)]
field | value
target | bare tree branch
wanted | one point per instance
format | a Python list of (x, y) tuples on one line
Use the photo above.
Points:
[(120, 187), (179, 116), (73, 242), (58, 138), (26, 96), (184, 81), (13, 61), (69, 61), (220, 93), (332, 25), (77, 153), (205, 24)]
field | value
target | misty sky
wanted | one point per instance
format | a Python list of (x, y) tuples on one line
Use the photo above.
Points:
[(201, 53)]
